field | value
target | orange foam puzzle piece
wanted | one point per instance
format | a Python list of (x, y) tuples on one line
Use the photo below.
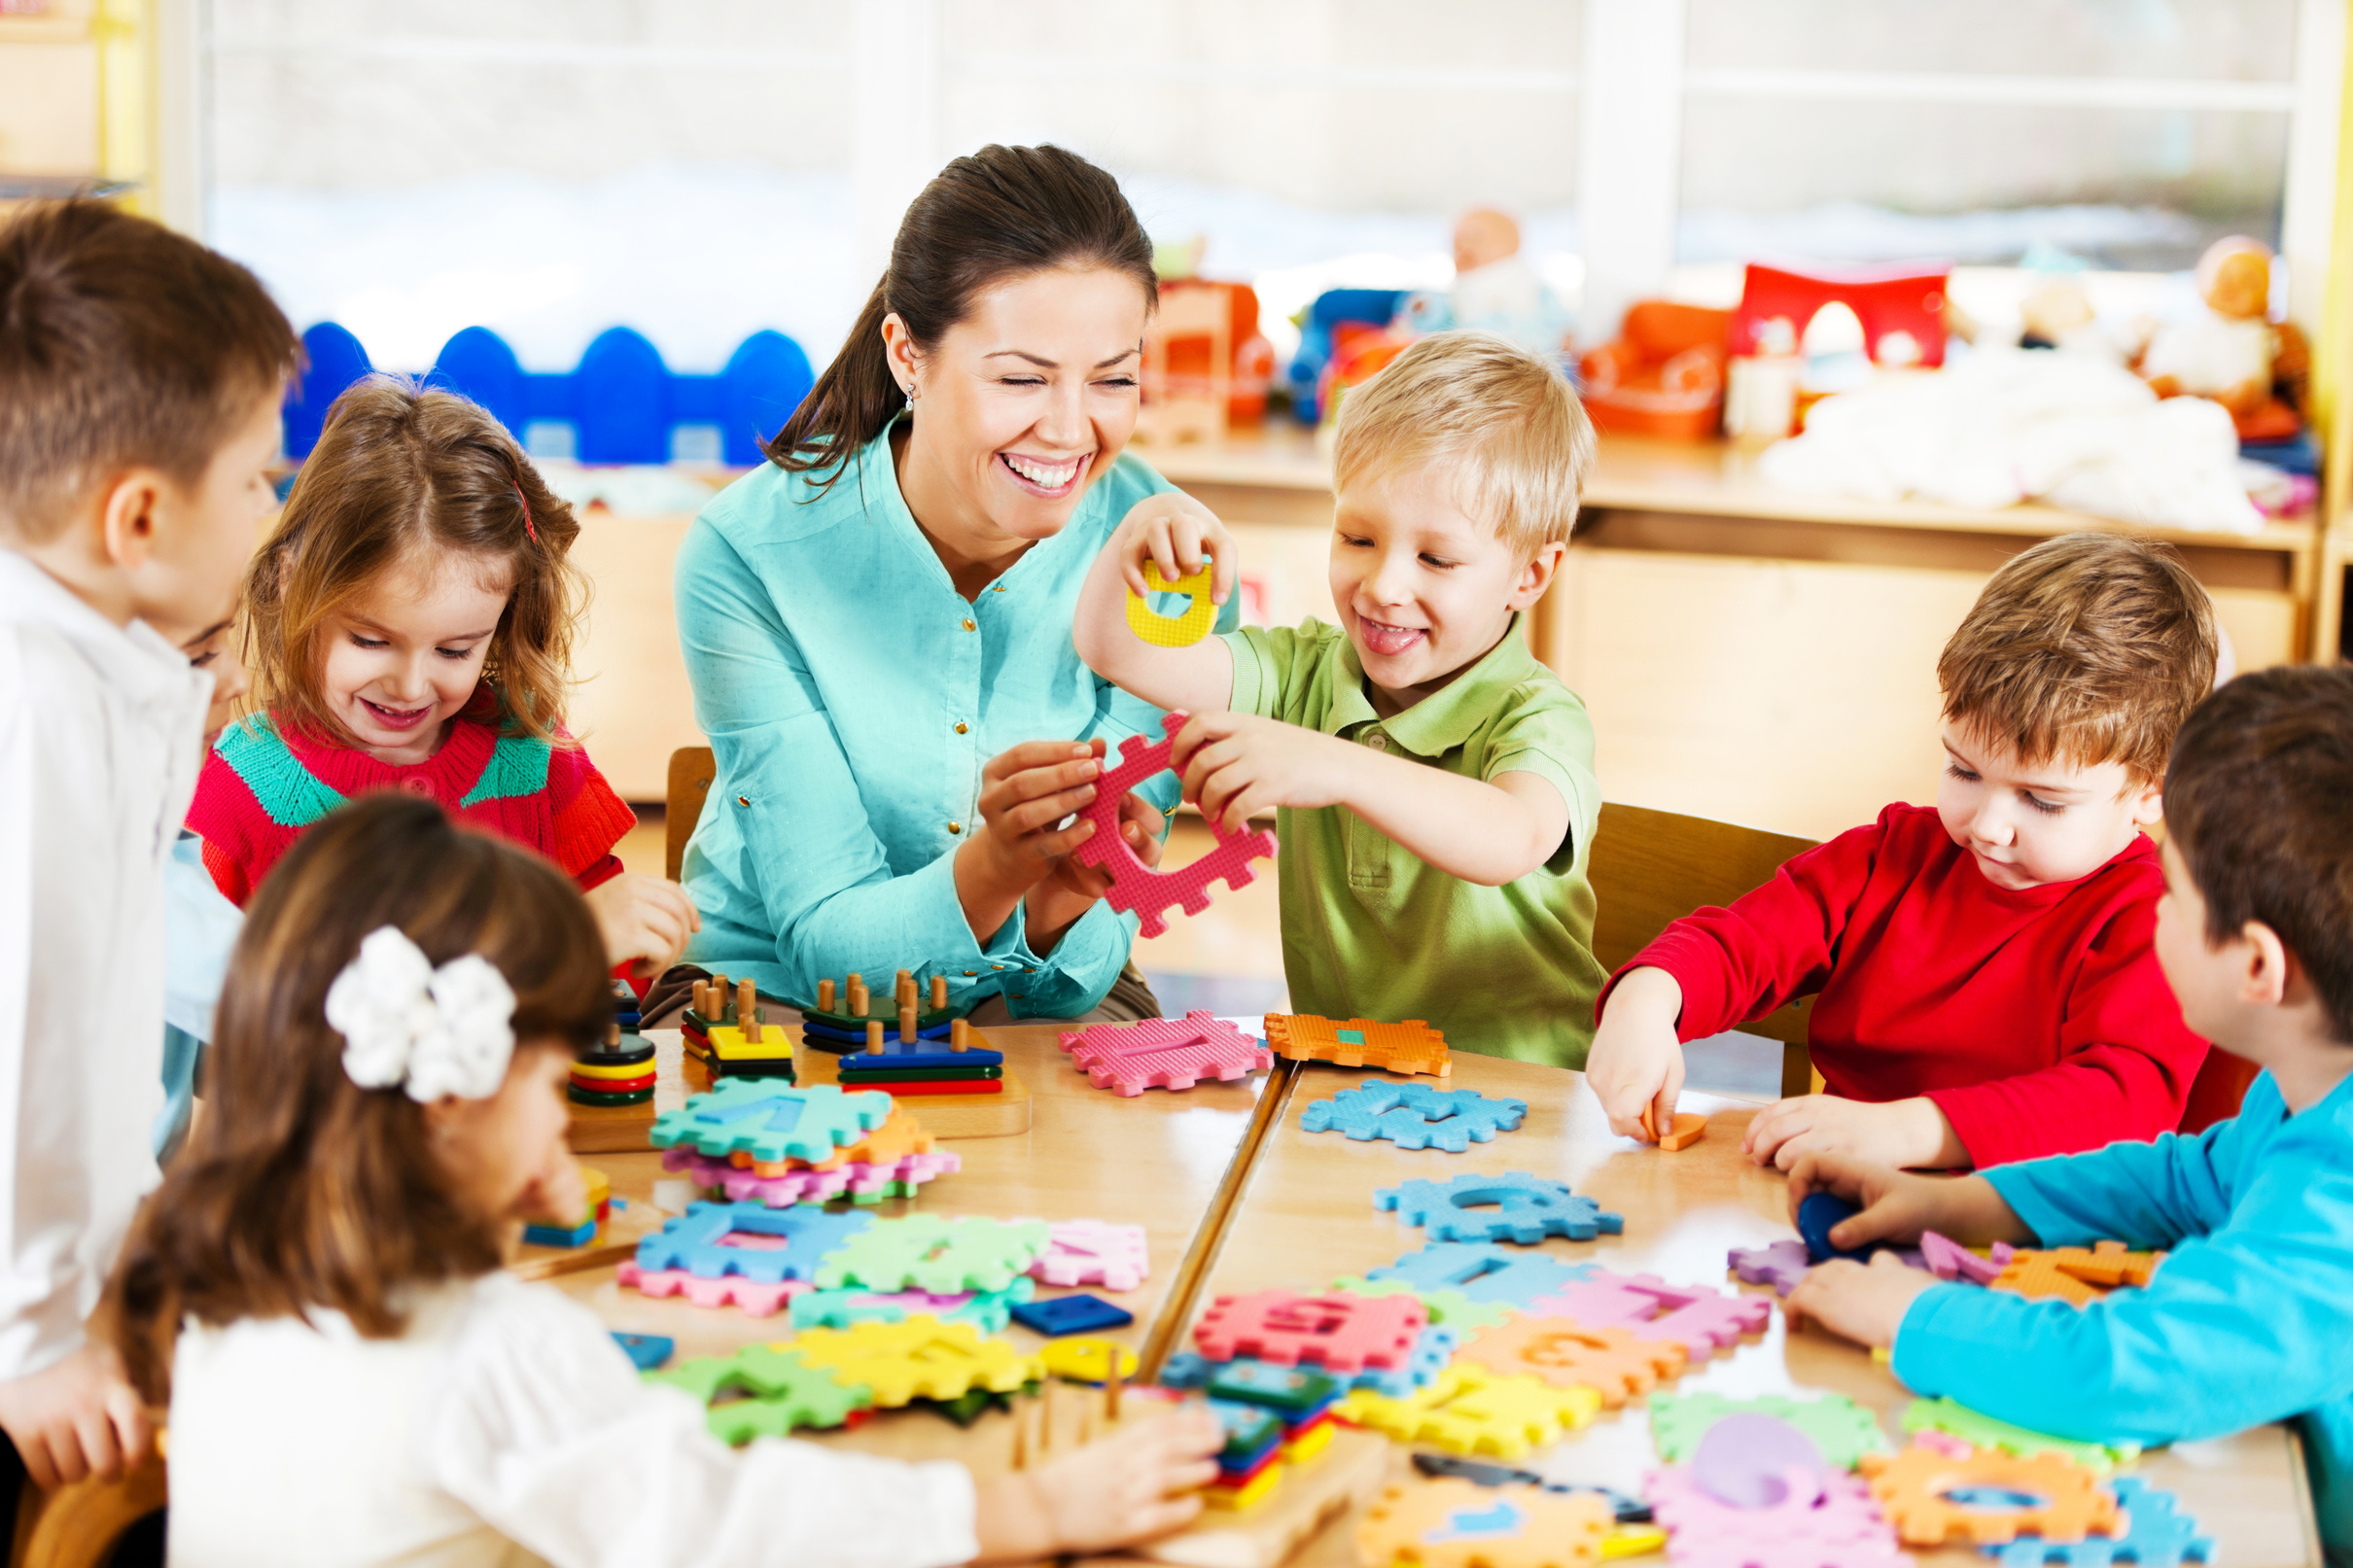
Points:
[(1411, 1047), (1457, 1523), (2060, 1500), (2108, 1263), (899, 1135), (1610, 1361)]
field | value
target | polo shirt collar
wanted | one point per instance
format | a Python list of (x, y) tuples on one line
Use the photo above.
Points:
[(1447, 717)]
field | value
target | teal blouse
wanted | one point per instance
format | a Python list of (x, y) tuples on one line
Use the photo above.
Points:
[(851, 696)]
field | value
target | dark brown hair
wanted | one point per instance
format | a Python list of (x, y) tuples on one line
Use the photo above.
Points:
[(121, 344), (1002, 213), (2086, 649), (301, 1189), (400, 475), (2259, 802)]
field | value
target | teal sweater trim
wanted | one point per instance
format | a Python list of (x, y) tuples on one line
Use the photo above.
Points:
[(286, 789)]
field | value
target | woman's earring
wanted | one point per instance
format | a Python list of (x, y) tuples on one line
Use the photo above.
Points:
[(909, 391)]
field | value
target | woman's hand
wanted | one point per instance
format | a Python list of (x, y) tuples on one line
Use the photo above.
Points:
[(1026, 795), (645, 921), (1056, 904)]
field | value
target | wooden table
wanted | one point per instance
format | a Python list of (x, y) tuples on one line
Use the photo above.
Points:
[(1306, 1217)]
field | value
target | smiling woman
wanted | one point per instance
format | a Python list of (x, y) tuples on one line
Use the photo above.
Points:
[(878, 623)]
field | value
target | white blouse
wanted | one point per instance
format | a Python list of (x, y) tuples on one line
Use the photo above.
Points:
[(506, 1427)]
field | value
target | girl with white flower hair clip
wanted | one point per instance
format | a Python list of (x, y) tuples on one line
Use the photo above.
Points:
[(317, 1288)]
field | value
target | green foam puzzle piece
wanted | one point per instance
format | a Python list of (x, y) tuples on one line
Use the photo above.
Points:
[(771, 1120), (1985, 1432), (941, 1255), (780, 1394), (1447, 1308), (1842, 1429)]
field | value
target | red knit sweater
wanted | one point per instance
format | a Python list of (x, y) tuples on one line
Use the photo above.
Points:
[(2038, 1021), (260, 788)]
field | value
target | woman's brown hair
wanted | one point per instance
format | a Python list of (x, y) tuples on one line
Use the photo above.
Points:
[(400, 474), (300, 1189), (1002, 213)]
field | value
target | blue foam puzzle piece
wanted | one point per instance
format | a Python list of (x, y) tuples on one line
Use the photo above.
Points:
[(1071, 1314), (1816, 1215), (692, 1240), (2160, 1536), (771, 1120), (895, 1060), (1483, 1272), (645, 1352), (1514, 1206), (1414, 1116)]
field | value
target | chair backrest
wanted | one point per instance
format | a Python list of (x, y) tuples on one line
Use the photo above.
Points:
[(691, 770), (1649, 868), (79, 1524)]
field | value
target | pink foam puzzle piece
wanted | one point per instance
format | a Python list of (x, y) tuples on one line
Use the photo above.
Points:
[(854, 1177), (1779, 1264), (1135, 888), (1165, 1053), (1841, 1528), (1700, 1319), (1948, 1258), (1336, 1331), (756, 1298), (1093, 1252)]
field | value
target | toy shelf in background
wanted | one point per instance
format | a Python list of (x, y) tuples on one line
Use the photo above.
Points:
[(622, 403)]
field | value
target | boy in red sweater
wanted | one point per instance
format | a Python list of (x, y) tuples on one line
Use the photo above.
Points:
[(1986, 983)]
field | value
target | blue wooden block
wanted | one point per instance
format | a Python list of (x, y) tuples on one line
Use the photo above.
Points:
[(894, 1056), (647, 1350), (1071, 1314), (556, 1235)]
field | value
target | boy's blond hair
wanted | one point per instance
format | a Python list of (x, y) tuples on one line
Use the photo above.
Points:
[(2086, 649), (1504, 415)]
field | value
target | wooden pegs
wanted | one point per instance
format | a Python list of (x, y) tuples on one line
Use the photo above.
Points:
[(902, 988), (1021, 1433), (718, 999), (824, 996), (702, 997), (939, 994), (960, 1035), (857, 1005), (747, 1006), (1110, 1389), (874, 1039), (613, 1036), (906, 1023)]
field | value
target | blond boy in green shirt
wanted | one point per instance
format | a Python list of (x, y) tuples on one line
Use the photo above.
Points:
[(1434, 783)]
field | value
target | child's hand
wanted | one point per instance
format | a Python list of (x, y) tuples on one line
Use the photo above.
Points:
[(558, 1194), (1237, 765), (77, 1418), (1865, 1302), (1636, 1060), (1906, 1134), (1139, 1482), (1176, 533), (645, 921), (1897, 1205)]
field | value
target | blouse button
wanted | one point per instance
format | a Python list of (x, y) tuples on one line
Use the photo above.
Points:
[(956, 828), (963, 729), (968, 623), (1378, 742), (417, 785)]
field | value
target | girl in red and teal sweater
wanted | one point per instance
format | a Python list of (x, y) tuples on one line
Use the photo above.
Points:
[(410, 624)]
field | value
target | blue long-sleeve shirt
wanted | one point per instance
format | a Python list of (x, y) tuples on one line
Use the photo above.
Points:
[(2249, 1320), (851, 696)]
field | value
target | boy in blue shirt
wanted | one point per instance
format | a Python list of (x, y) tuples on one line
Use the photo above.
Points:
[(2249, 1319)]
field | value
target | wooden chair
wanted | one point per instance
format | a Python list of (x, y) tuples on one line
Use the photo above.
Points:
[(691, 770), (78, 1526), (1649, 868)]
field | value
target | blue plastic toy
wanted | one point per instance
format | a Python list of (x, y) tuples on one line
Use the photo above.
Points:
[(2160, 1536), (1414, 1116), (697, 1240), (1071, 1314), (557, 1236), (1373, 308), (1815, 1217), (1515, 1207), (645, 1352), (1483, 1273)]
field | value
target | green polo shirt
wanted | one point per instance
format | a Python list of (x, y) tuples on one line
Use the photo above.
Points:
[(1371, 931)]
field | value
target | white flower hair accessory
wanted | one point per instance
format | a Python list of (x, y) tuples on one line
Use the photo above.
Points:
[(435, 1031)]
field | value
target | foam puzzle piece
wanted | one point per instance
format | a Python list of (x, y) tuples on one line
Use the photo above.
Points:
[(1483, 1273), (1436, 1348), (1627, 1510), (753, 1297), (1339, 1332), (1174, 631), (1300, 1393), (1164, 1053), (899, 1135), (783, 1390), (2038, 1276), (1071, 1314), (921, 1356), (1758, 1461), (749, 1240), (1409, 1048), (1841, 1429), (769, 1119), (1526, 1210), (1779, 1264), (1948, 1258), (1093, 1252), (2108, 1265), (1610, 1361), (1447, 1308), (987, 1311), (1135, 888), (859, 1180), (1702, 1320), (1932, 1497), (928, 1252), (1454, 1524), (1471, 1410), (1841, 1528), (1414, 1116), (2160, 1536), (645, 1352), (1985, 1432)]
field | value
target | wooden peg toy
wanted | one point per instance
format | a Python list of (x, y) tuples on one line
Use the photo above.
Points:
[(702, 997), (857, 995), (874, 1038), (824, 996), (1021, 1433), (902, 988), (718, 999), (1110, 1391), (939, 994), (613, 1036), (960, 1035), (906, 1019), (747, 1003)]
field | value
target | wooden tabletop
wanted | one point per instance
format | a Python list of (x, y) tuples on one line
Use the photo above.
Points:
[(1306, 1217)]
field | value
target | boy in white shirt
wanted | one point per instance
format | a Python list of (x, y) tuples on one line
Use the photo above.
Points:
[(140, 379)]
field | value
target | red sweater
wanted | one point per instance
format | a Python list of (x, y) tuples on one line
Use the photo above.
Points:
[(260, 790), (2038, 1021)]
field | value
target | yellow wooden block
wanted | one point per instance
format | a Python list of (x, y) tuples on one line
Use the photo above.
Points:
[(1634, 1540), (1085, 1361), (1467, 1409), (1174, 631), (1245, 1497), (731, 1044), (920, 1356), (1318, 1437)]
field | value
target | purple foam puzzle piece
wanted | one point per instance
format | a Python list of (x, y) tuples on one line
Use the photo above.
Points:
[(1949, 1260), (1751, 1461), (1779, 1264), (1135, 888), (855, 1178), (1841, 1528), (1700, 1319), (1164, 1053)]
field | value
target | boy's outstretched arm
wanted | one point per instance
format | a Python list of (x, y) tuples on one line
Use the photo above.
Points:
[(1176, 533)]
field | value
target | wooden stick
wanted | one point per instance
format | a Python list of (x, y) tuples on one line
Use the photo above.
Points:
[(902, 988), (1111, 1385), (960, 1035), (824, 996), (874, 1039), (906, 1023), (939, 994), (747, 1007), (1021, 1433), (857, 995), (702, 997)]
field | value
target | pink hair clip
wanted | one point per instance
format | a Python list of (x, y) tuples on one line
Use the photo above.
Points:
[(528, 526)]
